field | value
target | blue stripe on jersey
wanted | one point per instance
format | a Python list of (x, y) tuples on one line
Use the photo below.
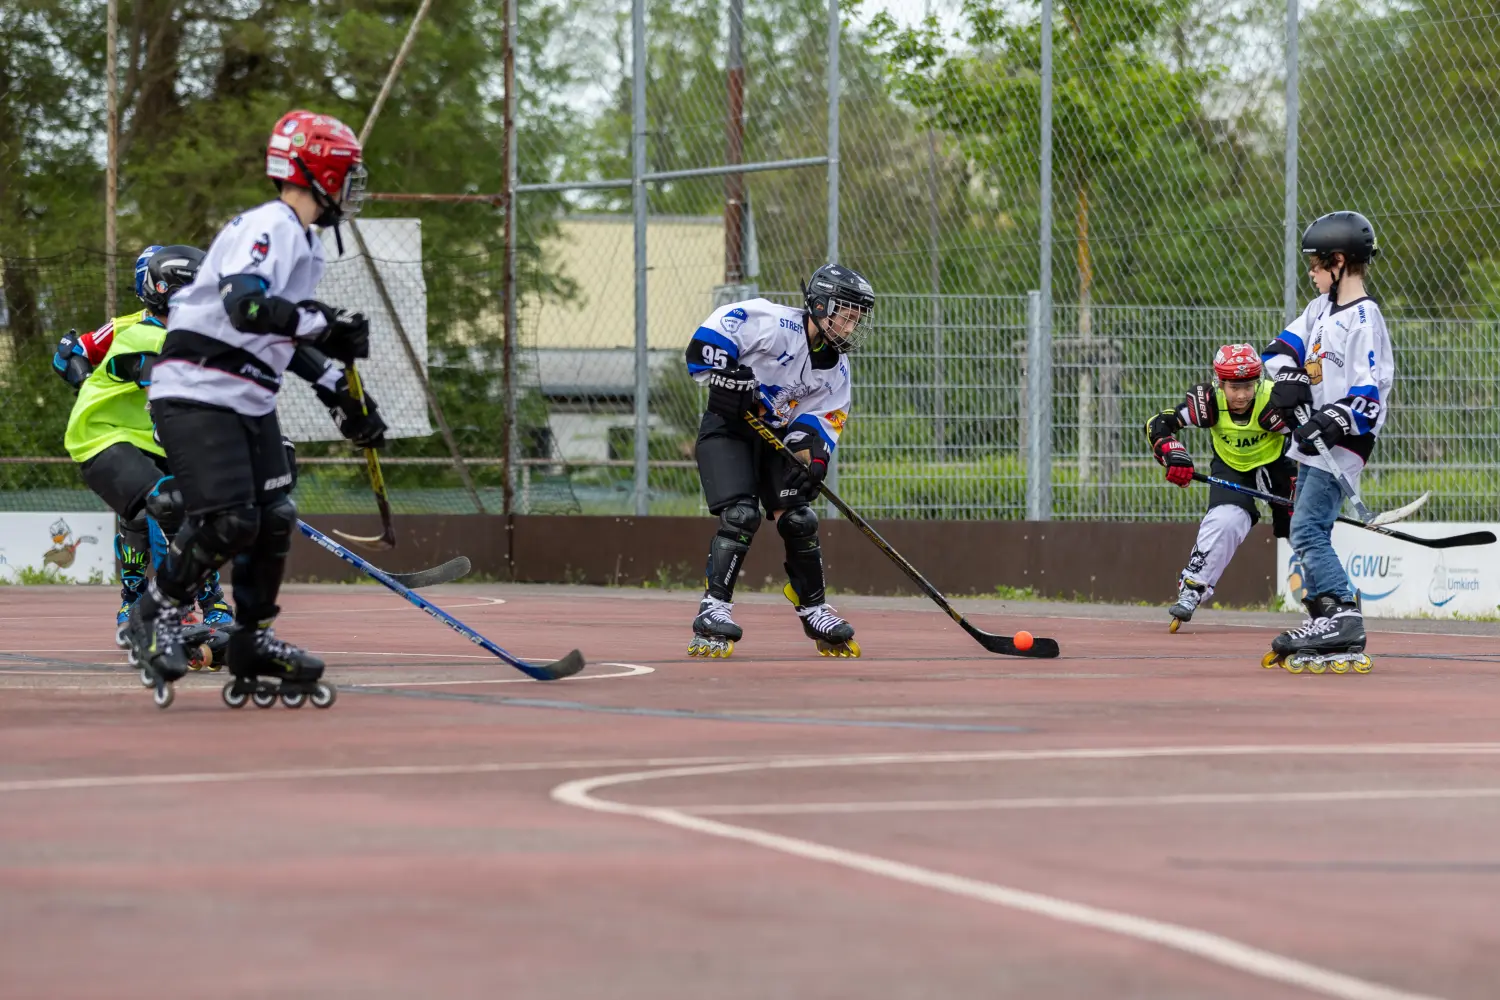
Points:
[(1363, 423), (714, 337), (694, 369), (1294, 342), (809, 420)]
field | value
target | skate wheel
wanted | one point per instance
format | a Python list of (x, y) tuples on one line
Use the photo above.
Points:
[(1176, 624), (1271, 660), (324, 695), (1339, 666), (293, 699), (1316, 666), (232, 698), (147, 680), (264, 699), (1293, 665), (721, 650), (163, 696), (1362, 664)]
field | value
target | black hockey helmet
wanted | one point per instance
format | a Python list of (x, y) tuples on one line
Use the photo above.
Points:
[(834, 292), (166, 270), (1348, 233)]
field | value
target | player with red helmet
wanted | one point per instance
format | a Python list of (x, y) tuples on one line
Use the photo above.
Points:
[(231, 335), (1249, 441)]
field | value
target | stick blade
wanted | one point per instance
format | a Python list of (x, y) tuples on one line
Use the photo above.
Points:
[(376, 543), (1041, 649), (1402, 513), (1460, 541), (453, 569), (558, 669)]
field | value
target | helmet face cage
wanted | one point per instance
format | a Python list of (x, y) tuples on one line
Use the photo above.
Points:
[(352, 198), (141, 264), (844, 325)]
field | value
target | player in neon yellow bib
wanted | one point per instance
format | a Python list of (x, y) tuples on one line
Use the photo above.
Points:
[(110, 433), (1249, 442)]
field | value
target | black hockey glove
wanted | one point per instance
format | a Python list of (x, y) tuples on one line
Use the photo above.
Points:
[(1291, 389), (1202, 405), (361, 425), (347, 336), (807, 479), (70, 361), (1163, 425), (731, 391), (1330, 423)]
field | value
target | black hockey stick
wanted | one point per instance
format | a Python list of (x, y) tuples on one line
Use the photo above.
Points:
[(1450, 542), (454, 569), (1040, 648), (554, 671)]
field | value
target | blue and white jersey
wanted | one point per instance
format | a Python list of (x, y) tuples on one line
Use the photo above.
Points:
[(1346, 350), (797, 386)]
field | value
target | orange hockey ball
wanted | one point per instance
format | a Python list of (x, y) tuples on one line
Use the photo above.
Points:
[(1022, 640)]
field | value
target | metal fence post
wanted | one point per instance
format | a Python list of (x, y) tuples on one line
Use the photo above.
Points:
[(1039, 410), (833, 181), (1039, 312), (1291, 241), (638, 190)]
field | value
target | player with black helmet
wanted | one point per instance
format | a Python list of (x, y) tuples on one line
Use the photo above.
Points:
[(1332, 371), (789, 366)]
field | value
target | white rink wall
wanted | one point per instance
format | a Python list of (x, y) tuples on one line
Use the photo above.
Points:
[(1396, 579)]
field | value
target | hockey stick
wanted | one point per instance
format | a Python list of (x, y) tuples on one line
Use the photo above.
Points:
[(1347, 488), (1449, 542), (556, 670), (387, 537), (1040, 648)]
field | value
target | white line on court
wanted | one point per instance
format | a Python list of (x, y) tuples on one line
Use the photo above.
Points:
[(631, 670), (1189, 940), (479, 602), (1090, 802)]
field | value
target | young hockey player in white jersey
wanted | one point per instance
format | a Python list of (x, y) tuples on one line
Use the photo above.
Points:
[(1332, 371), (230, 336), (786, 365), (1248, 444)]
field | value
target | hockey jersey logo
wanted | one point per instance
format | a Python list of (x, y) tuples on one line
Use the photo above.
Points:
[(260, 249), (1314, 364)]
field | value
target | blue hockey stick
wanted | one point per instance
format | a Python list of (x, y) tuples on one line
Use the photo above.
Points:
[(556, 670)]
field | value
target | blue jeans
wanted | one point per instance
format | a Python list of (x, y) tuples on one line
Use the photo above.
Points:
[(1319, 501)]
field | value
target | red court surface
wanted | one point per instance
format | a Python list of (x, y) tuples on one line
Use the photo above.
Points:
[(1150, 816)]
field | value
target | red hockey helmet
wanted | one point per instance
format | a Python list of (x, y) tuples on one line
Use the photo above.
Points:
[(1237, 363), (323, 155)]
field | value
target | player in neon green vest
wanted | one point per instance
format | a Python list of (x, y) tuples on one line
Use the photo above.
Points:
[(1249, 440), (110, 431)]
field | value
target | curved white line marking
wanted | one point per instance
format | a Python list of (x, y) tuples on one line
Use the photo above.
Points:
[(1090, 802), (1189, 940), (631, 670)]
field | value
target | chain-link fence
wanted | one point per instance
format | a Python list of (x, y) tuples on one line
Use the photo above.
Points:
[(1189, 141)]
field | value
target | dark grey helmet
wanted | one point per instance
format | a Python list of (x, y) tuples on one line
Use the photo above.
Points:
[(1348, 233), (836, 290), (166, 270)]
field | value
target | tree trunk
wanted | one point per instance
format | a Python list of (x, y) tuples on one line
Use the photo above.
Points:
[(20, 296)]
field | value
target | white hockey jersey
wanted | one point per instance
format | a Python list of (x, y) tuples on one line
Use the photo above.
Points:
[(796, 387), (205, 359), (1346, 350)]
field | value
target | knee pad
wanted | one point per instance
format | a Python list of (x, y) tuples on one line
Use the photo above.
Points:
[(133, 533), (165, 506), (278, 521), (215, 538), (739, 521), (799, 527)]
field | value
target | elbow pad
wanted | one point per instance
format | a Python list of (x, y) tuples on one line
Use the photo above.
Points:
[(131, 368), (251, 310)]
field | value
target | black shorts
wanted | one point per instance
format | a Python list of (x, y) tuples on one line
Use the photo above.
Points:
[(1274, 477), (123, 476), (222, 459), (735, 464)]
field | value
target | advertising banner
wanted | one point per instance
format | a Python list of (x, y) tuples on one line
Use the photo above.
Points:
[(1397, 579), (57, 547)]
